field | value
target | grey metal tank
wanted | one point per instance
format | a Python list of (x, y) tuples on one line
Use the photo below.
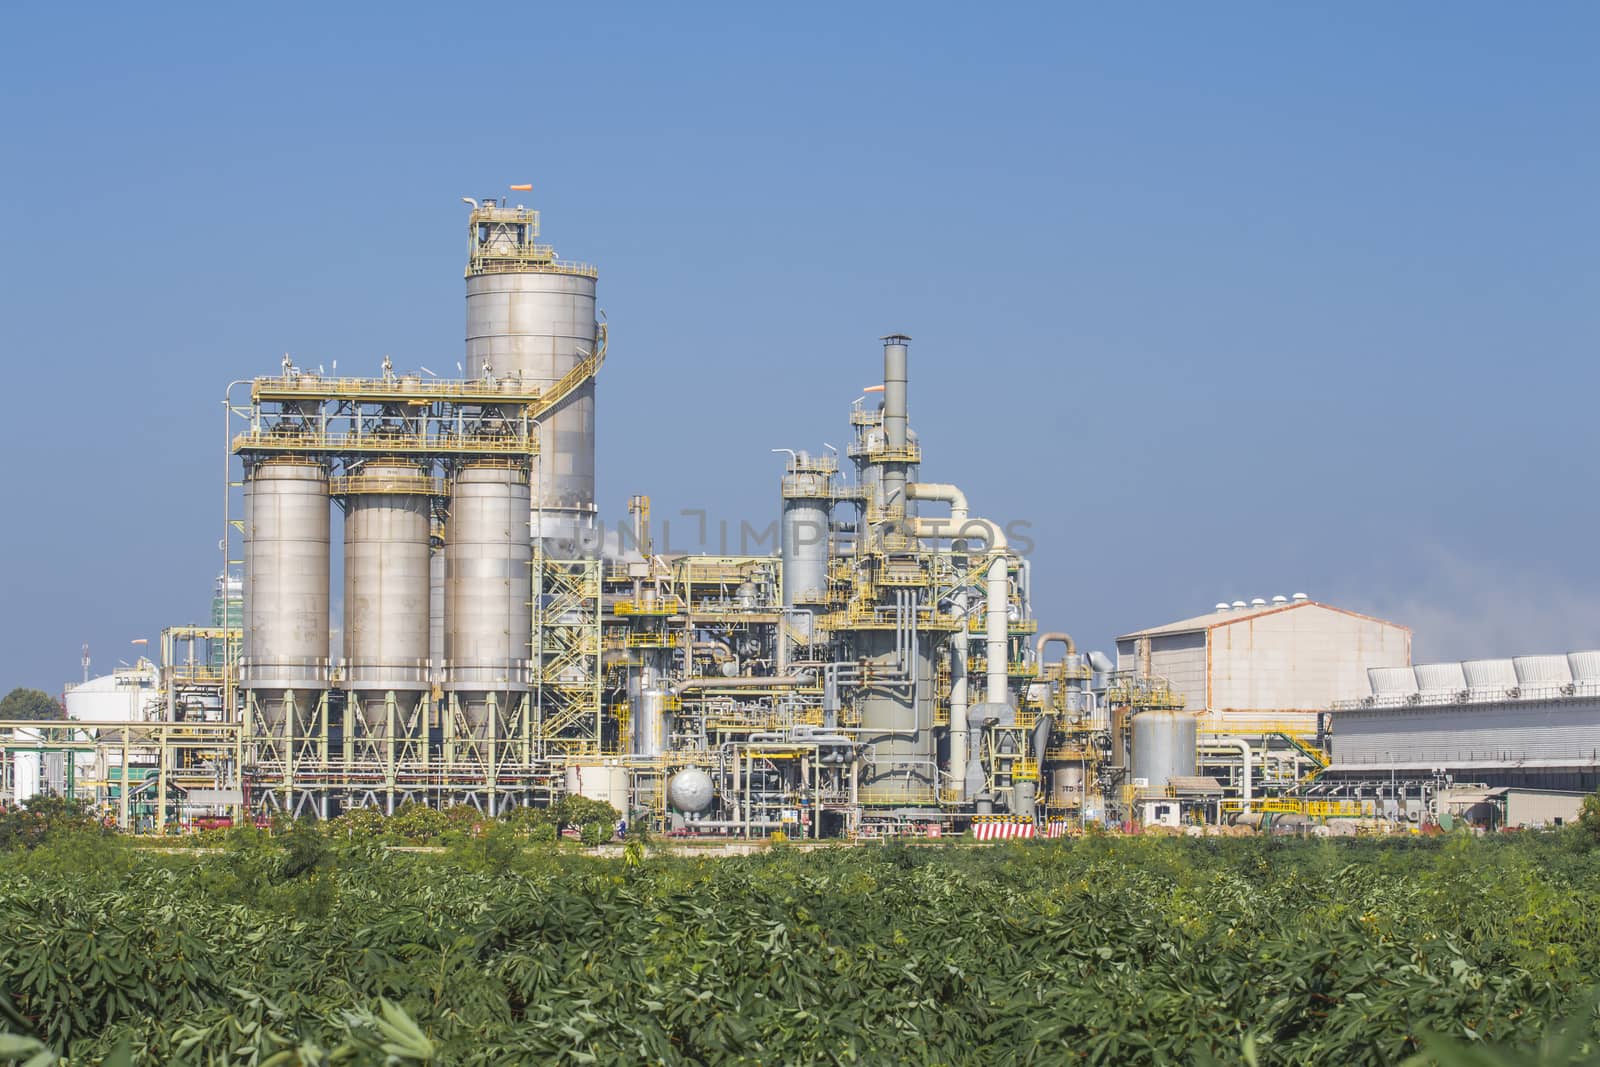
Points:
[(386, 569), (803, 538), (1164, 747), (286, 538), (488, 588), (532, 316), (899, 729)]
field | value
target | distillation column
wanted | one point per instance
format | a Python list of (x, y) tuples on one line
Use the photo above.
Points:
[(386, 597), (488, 589), (531, 316), (284, 661), (803, 541), (897, 705)]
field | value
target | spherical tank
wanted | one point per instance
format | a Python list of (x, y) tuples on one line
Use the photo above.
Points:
[(488, 587), (538, 325), (690, 791), (386, 529), (1163, 747), (286, 537)]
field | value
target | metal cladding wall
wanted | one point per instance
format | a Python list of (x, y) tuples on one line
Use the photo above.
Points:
[(1301, 658), (1283, 663), (541, 325), (1179, 658), (1470, 739), (286, 538)]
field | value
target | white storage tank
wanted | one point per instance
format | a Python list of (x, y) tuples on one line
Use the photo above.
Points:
[(690, 791), (607, 782)]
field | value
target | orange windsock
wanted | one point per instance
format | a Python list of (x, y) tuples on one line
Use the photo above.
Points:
[(522, 188), (873, 389)]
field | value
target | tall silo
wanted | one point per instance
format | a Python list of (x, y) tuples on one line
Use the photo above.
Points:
[(286, 538), (488, 589), (386, 601), (531, 317)]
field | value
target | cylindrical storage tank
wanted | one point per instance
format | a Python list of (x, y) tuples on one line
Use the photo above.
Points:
[(27, 769), (1164, 747), (690, 791), (540, 324), (650, 722), (1024, 801), (605, 782), (387, 514), (286, 538), (1535, 671), (1066, 787), (1440, 677), (1489, 674), (1585, 667), (488, 576), (1392, 681)]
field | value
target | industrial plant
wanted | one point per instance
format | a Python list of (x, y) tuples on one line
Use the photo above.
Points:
[(882, 672)]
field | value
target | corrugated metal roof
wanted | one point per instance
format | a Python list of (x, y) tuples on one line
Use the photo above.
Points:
[(1215, 619)]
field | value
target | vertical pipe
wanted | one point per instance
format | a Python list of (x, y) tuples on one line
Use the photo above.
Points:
[(959, 643), (895, 436), (995, 632)]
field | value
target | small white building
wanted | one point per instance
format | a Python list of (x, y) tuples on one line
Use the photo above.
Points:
[(1249, 669)]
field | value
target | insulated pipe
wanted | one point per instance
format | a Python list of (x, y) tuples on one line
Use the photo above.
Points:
[(1054, 637), (748, 681), (894, 413), (958, 698), (1241, 746), (995, 632)]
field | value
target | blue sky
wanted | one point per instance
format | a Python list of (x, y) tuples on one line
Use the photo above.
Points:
[(1224, 300)]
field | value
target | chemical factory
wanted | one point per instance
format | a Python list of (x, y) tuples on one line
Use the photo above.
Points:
[(883, 672)]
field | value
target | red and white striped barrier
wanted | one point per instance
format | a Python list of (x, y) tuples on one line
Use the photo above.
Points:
[(997, 829), (1056, 828)]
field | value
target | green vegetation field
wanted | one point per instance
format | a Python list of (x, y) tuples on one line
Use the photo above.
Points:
[(310, 948)]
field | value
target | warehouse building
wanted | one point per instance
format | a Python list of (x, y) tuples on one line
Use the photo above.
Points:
[(1528, 723), (1263, 667)]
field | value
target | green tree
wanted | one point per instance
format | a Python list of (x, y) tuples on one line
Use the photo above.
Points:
[(1589, 816), (33, 704)]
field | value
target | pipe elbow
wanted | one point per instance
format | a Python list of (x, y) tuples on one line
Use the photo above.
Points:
[(1055, 637)]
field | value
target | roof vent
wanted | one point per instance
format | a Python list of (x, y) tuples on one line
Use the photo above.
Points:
[(1280, 599), (1222, 605), (1258, 603), (1238, 605), (1298, 597)]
